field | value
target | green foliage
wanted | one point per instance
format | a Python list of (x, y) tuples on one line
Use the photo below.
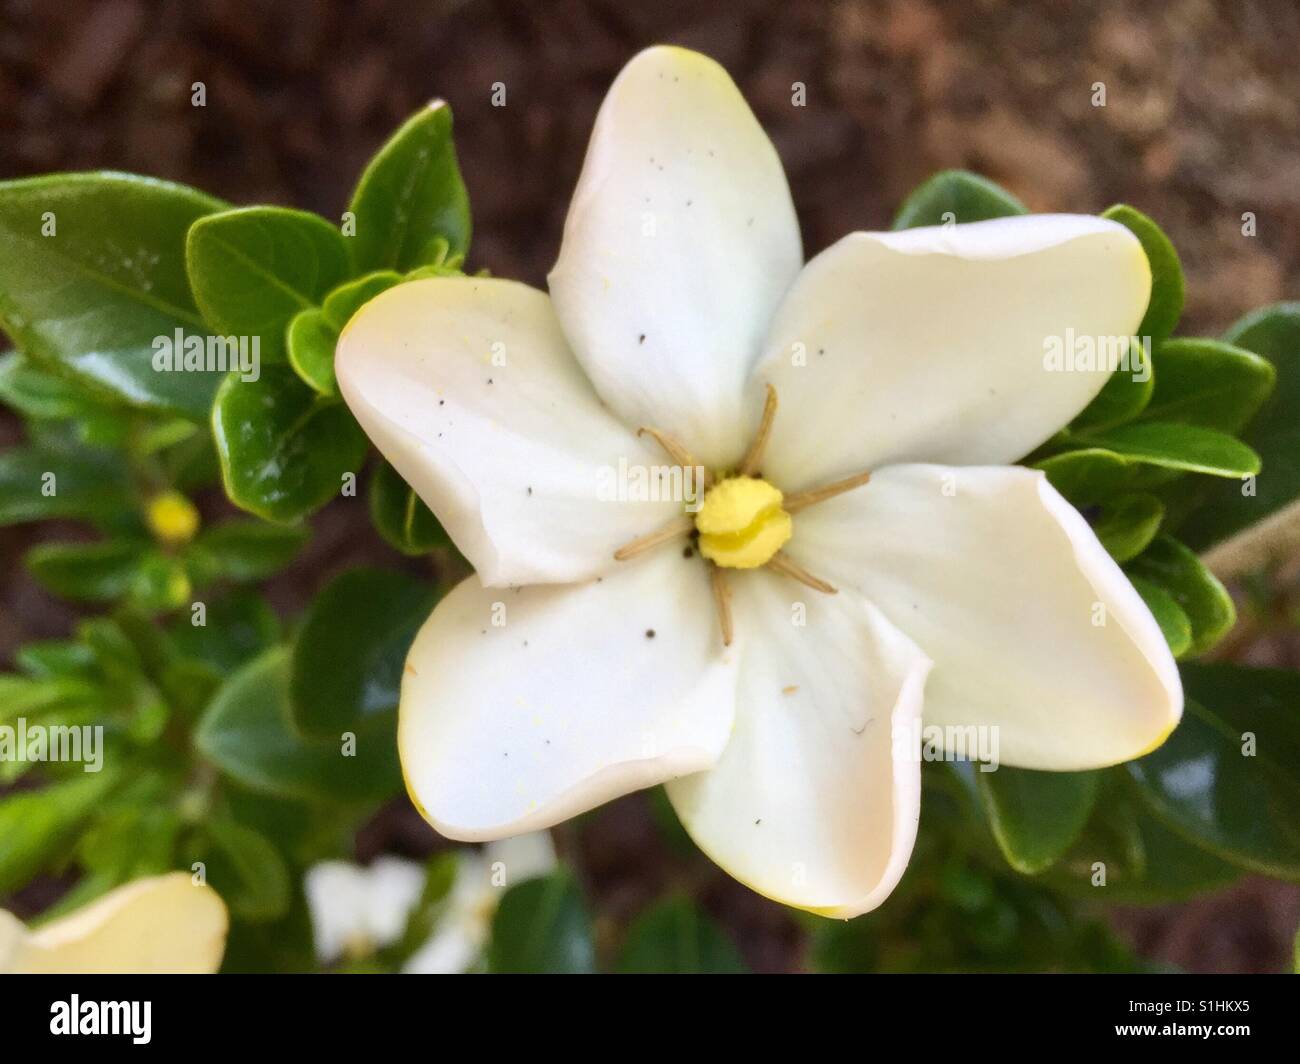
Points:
[(410, 204), (542, 926), (247, 732), (1166, 304), (285, 450), (673, 937), (400, 516), (114, 242), (1035, 816), (254, 268), (350, 653), (956, 196)]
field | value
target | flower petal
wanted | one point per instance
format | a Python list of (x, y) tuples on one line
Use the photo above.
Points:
[(1032, 626), (929, 345), (467, 387), (164, 924), (680, 242), (809, 805), (520, 709)]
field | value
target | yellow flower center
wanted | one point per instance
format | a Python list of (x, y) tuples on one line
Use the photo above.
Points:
[(742, 523), (172, 518)]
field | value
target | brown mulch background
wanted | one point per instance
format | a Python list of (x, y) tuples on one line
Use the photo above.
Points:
[(1200, 126)]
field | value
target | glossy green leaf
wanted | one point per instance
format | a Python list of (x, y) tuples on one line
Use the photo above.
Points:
[(674, 937), (411, 196), (284, 449), (109, 281), (954, 196), (37, 828), (1226, 777), (247, 871), (1199, 594), (254, 268), (247, 732), (341, 304), (400, 516), (236, 627), (1036, 816), (244, 550), (1126, 856), (311, 343), (43, 482), (1209, 383), (351, 649), (1166, 304), (1088, 475), (542, 926), (1125, 395), (1127, 524), (1172, 445), (1174, 623), (46, 392), (1262, 519), (87, 572), (32, 695)]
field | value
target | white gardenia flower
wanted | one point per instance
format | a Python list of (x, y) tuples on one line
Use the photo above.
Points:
[(759, 656), (164, 924), (357, 910)]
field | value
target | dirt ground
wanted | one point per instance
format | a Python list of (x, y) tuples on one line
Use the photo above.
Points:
[(1201, 125)]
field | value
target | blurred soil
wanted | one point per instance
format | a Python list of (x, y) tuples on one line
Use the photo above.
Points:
[(1201, 124)]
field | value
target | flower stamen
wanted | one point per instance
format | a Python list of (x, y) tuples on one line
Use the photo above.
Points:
[(722, 599), (753, 459), (676, 451), (801, 500), (781, 563), (678, 526)]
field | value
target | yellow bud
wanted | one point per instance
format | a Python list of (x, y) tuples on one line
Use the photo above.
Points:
[(172, 518)]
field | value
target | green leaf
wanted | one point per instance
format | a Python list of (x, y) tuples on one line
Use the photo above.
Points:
[(1124, 396), (37, 828), (244, 550), (87, 572), (673, 937), (42, 392), (1143, 862), (254, 268), (311, 343), (1205, 601), (1127, 524), (39, 483), (410, 196), (1226, 777), (1088, 475), (1036, 816), (31, 695), (235, 627), (1172, 445), (137, 837), (94, 296), (341, 304), (542, 927), (956, 196), (351, 649), (248, 734), (55, 657), (1253, 526), (247, 871), (400, 516), (284, 450), (1174, 623), (1166, 304), (1209, 383)]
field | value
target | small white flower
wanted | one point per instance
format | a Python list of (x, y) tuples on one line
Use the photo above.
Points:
[(764, 680), (356, 910), (164, 924)]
